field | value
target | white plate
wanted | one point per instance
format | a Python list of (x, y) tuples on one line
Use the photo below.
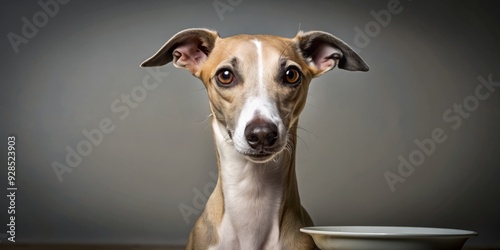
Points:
[(387, 238)]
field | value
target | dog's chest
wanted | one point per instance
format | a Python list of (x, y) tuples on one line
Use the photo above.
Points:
[(251, 211)]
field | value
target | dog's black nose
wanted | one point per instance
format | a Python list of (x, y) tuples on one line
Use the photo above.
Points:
[(261, 134)]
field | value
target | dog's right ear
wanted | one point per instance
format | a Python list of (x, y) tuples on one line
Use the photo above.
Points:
[(187, 49)]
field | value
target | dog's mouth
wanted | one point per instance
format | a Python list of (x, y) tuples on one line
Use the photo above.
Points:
[(260, 157), (257, 156)]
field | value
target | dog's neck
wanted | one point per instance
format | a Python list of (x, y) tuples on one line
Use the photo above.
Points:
[(256, 195)]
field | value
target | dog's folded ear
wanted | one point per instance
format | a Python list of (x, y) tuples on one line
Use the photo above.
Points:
[(187, 49), (325, 51)]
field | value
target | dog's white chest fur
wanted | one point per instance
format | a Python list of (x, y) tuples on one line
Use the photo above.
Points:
[(252, 198)]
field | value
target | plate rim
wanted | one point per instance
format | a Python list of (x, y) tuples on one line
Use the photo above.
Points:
[(314, 230)]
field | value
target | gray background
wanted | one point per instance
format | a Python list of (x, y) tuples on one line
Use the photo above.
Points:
[(129, 189)]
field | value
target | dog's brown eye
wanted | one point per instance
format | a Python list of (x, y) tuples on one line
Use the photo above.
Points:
[(292, 76), (225, 77)]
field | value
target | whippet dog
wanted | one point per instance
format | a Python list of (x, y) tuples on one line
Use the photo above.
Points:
[(257, 87)]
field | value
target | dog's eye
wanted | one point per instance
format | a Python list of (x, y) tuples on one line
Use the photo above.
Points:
[(292, 76), (225, 77)]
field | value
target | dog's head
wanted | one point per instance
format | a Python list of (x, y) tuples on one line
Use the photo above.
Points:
[(257, 84)]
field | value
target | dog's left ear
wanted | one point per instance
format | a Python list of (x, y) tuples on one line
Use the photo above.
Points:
[(325, 51)]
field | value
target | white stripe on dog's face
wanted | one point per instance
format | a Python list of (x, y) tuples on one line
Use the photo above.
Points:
[(260, 67)]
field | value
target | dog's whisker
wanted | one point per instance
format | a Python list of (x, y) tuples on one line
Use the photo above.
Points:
[(281, 57), (298, 137), (196, 90), (206, 119), (288, 113), (305, 144), (313, 106), (307, 131)]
